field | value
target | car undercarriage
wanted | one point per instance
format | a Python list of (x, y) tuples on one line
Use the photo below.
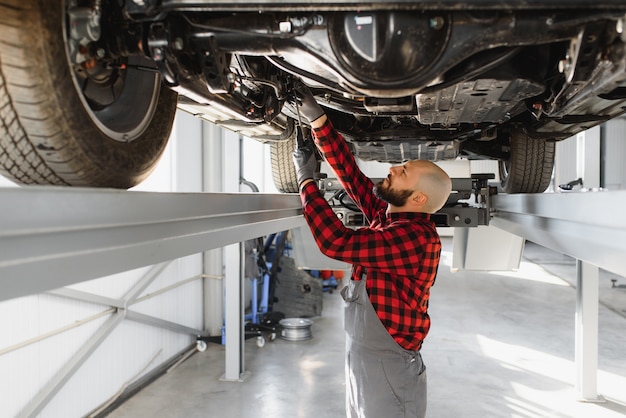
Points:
[(400, 80)]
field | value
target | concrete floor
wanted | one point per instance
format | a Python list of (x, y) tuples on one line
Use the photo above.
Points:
[(501, 345)]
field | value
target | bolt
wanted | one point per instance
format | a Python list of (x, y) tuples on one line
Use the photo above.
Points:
[(157, 54), (620, 29), (284, 27), (437, 22), (178, 44), (89, 64)]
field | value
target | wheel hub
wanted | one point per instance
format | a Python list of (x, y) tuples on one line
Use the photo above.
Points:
[(110, 77)]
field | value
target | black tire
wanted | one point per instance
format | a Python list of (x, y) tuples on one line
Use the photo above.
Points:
[(51, 130), (283, 170), (529, 169)]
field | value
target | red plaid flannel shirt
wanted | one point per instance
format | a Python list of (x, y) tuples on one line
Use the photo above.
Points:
[(399, 251)]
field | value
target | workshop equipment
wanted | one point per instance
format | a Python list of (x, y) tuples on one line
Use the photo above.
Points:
[(296, 329), (459, 210)]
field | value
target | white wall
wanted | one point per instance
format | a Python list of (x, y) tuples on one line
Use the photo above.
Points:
[(614, 170), (597, 155), (42, 334)]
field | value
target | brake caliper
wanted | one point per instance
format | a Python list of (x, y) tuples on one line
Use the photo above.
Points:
[(84, 29)]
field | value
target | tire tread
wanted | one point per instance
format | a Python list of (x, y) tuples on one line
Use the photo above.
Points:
[(283, 169), (531, 165)]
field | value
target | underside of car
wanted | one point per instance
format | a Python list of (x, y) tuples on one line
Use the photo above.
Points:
[(400, 80)]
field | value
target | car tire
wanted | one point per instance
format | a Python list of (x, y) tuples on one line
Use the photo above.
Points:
[(529, 168), (283, 170), (50, 131)]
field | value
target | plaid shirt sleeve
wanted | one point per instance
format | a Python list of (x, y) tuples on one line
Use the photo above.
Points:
[(399, 251), (359, 187)]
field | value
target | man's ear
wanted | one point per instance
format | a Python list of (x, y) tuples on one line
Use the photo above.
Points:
[(419, 199)]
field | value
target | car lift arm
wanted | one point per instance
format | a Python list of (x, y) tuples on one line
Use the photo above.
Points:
[(52, 237), (459, 210), (588, 226), (584, 225)]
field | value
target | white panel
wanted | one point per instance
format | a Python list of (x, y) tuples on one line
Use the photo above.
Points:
[(132, 349), (130, 352), (565, 162), (611, 161), (268, 180), (456, 168), (114, 286), (28, 317), (589, 157), (187, 159), (307, 254), (614, 170), (160, 180), (26, 371), (231, 159), (486, 248), (5, 182), (181, 305), (256, 166), (20, 377)]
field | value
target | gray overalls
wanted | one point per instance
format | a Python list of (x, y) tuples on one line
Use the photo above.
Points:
[(382, 379)]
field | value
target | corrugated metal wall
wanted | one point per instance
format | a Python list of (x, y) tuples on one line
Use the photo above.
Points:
[(612, 150), (40, 335), (614, 170)]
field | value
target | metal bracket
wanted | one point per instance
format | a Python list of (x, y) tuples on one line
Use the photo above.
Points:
[(459, 210)]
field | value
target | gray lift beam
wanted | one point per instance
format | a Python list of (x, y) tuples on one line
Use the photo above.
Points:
[(54, 237), (588, 226)]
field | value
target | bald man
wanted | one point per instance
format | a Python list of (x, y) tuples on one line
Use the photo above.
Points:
[(395, 261)]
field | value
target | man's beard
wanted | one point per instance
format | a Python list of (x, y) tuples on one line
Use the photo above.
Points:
[(392, 196)]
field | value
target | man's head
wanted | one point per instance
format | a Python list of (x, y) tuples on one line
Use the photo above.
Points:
[(415, 186)]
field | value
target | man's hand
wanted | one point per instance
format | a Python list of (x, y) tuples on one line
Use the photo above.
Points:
[(306, 102), (305, 161)]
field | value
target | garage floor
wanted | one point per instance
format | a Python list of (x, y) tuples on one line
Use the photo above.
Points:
[(501, 345)]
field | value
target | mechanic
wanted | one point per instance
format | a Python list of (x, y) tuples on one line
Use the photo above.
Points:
[(394, 260)]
